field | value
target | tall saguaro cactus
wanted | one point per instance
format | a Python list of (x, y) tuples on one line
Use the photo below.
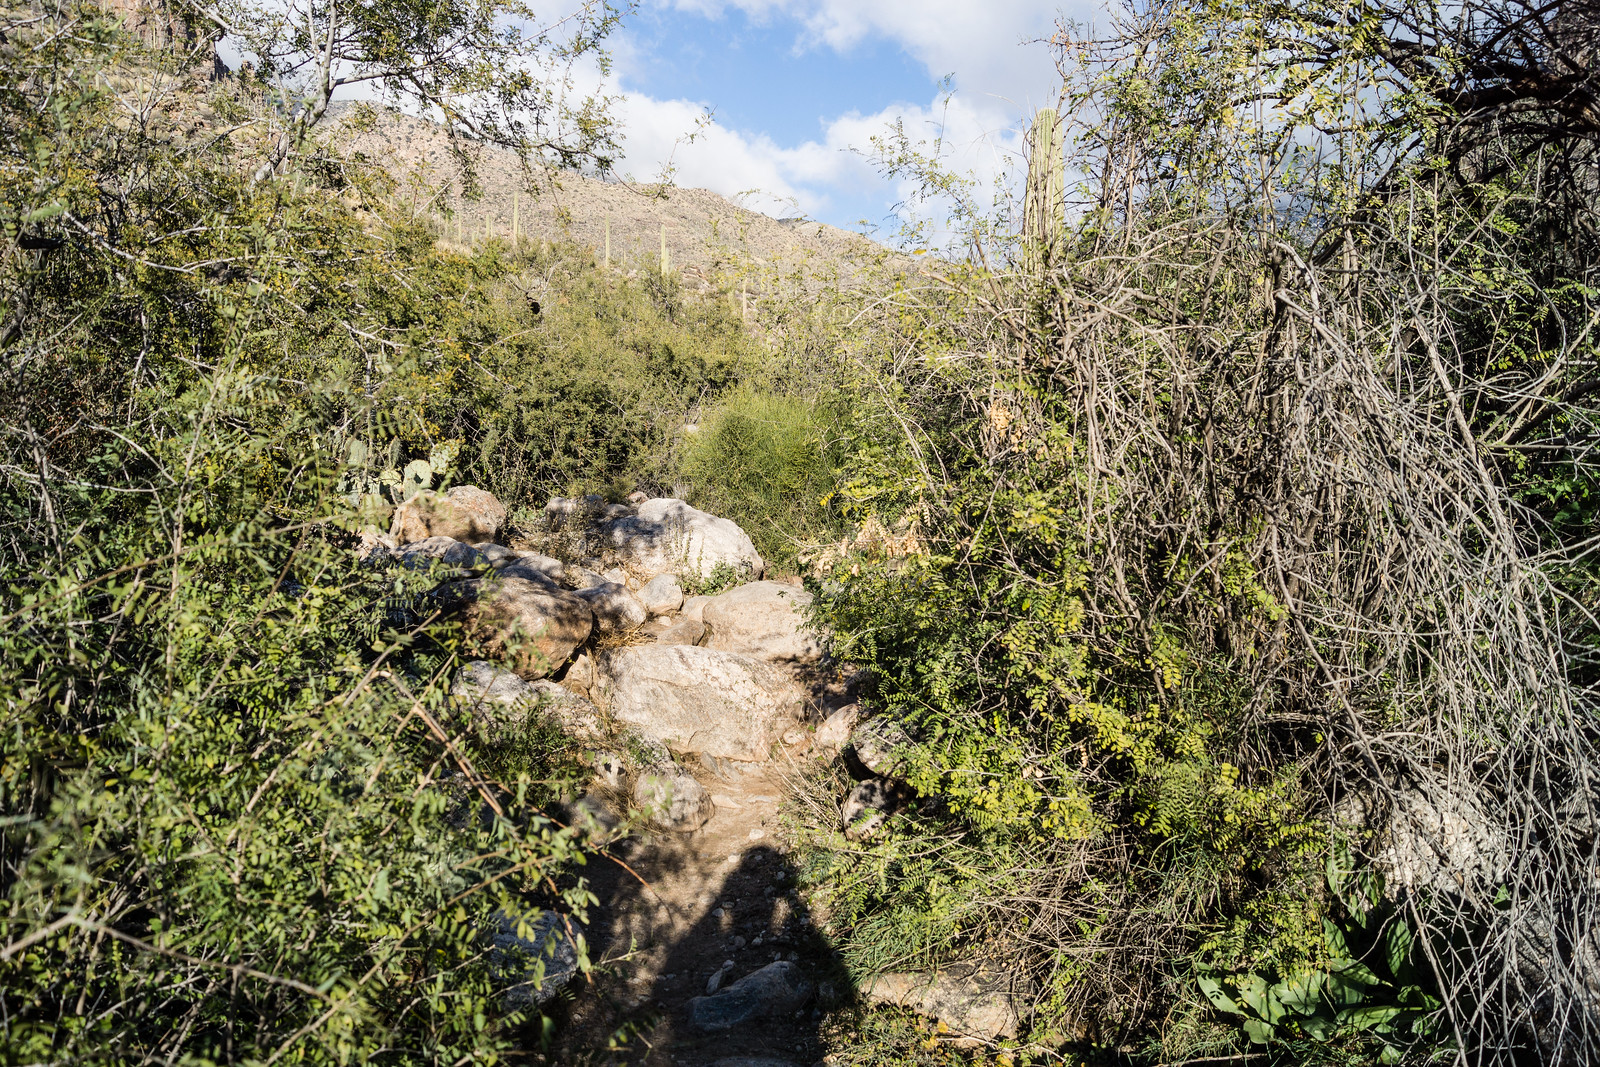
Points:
[(1043, 211)]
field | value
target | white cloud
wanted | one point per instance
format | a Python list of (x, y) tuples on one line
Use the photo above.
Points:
[(978, 41), (998, 80)]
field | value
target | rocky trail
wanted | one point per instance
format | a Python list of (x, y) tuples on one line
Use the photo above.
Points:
[(698, 716)]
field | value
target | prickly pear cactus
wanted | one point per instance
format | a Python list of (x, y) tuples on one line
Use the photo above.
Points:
[(417, 477)]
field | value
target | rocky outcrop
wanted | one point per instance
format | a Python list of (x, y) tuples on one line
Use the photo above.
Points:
[(777, 989), (972, 1004), (466, 513), (615, 609), (668, 536), (531, 624), (701, 700), (672, 800), (764, 620)]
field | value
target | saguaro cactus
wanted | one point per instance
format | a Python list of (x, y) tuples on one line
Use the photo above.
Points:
[(1043, 212)]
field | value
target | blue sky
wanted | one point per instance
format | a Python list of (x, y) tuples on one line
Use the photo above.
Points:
[(793, 84)]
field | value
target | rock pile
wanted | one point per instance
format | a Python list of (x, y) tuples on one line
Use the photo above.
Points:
[(663, 688)]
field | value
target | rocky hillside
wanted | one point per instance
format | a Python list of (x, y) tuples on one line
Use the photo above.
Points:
[(705, 233)]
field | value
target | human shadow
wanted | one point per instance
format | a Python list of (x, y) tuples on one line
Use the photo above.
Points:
[(660, 956)]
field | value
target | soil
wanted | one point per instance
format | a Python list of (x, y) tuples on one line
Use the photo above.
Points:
[(682, 908)]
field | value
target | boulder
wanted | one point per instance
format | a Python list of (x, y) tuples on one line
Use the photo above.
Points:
[(535, 956), (701, 700), (669, 536), (776, 990), (662, 595), (972, 1004), (879, 743), (1434, 835), (583, 578), (834, 733), (867, 806), (764, 620), (374, 547), (672, 800), (501, 698), (445, 550), (494, 555), (695, 608), (536, 626), (466, 513), (682, 632), (534, 562), (615, 609)]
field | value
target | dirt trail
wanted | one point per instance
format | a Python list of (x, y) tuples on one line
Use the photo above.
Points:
[(722, 894)]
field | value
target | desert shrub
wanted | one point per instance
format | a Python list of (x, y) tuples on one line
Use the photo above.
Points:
[(239, 818), (766, 461), (1225, 522)]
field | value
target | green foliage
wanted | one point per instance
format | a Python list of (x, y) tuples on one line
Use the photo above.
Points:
[(1369, 986), (765, 462)]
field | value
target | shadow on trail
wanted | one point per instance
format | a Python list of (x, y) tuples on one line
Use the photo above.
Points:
[(669, 952)]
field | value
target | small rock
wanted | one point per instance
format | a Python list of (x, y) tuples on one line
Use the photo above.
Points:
[(616, 575), (776, 989), (752, 1061), (529, 564), (715, 981), (615, 609), (834, 733), (673, 800), (971, 1004), (593, 818), (662, 595), (683, 632)]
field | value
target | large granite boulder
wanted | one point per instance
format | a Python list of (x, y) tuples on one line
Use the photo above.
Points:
[(533, 625), (466, 513), (702, 700), (668, 536), (764, 620)]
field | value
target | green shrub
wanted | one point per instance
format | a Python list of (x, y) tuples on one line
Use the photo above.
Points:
[(765, 461)]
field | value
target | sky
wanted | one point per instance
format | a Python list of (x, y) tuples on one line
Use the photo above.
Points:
[(794, 85)]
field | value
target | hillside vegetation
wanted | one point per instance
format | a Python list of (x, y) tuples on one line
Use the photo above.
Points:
[(1210, 539)]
